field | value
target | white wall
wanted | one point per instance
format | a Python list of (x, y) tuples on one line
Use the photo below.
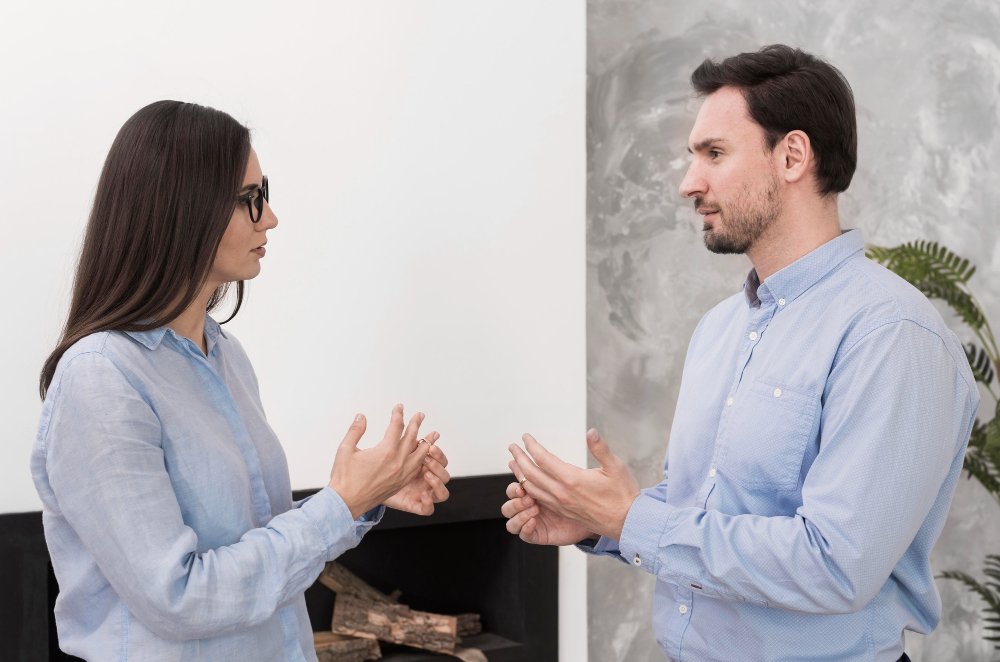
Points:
[(427, 167)]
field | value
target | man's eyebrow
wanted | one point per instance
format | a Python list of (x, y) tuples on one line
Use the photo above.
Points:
[(705, 144)]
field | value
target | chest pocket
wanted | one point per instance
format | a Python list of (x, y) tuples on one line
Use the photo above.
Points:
[(765, 436)]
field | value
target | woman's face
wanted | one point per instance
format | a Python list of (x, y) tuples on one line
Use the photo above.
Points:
[(242, 245)]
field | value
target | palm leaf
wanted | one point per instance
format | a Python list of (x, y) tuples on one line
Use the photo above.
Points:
[(924, 260), (988, 591), (981, 364), (957, 299)]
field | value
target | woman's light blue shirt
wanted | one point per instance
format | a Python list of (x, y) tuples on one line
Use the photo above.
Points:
[(167, 506)]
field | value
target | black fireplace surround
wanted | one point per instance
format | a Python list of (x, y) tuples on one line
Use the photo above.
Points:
[(459, 560)]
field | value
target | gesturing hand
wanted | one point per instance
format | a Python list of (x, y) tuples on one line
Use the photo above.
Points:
[(366, 478), (537, 524), (420, 494), (598, 499)]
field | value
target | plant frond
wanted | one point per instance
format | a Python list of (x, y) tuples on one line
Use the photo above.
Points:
[(989, 595), (957, 299), (981, 363), (924, 260)]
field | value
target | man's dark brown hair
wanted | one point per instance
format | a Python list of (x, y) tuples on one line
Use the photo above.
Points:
[(787, 89)]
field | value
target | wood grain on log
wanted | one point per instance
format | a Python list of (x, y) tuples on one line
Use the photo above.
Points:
[(394, 623), (468, 625), (332, 647), (340, 580)]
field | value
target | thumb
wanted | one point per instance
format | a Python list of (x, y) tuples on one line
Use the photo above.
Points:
[(354, 433), (600, 450)]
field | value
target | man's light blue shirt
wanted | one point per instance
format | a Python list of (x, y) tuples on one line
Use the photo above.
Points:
[(167, 506), (819, 433)]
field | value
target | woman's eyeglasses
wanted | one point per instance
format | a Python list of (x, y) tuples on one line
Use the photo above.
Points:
[(254, 200)]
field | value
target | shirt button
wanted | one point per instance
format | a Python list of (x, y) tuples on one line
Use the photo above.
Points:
[(711, 472), (729, 402), (781, 302), (683, 609), (637, 561), (753, 335), (777, 392)]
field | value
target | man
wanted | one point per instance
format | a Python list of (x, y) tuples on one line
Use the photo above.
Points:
[(823, 413)]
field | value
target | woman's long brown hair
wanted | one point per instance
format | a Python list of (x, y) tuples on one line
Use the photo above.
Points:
[(163, 202)]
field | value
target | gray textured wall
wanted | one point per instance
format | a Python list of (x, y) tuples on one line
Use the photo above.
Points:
[(926, 77)]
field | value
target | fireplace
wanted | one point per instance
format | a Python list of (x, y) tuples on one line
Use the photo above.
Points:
[(459, 560)]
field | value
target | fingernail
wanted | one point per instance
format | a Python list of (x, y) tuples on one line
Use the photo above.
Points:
[(420, 416), (357, 419), (592, 434)]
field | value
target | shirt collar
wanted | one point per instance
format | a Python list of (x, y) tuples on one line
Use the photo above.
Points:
[(787, 284), (151, 339)]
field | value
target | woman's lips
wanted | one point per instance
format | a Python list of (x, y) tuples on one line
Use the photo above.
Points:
[(259, 251)]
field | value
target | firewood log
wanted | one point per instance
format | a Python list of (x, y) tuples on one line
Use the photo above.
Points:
[(394, 623), (332, 647)]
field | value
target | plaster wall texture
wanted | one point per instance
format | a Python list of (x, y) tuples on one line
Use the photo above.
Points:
[(926, 79)]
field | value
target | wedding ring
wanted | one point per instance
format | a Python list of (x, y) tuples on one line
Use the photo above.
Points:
[(421, 441), (522, 482)]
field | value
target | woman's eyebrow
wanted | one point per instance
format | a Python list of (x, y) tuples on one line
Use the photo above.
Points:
[(250, 187)]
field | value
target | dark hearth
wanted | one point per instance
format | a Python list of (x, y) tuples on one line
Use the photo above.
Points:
[(460, 560)]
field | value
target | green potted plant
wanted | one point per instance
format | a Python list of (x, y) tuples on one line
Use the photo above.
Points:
[(942, 275)]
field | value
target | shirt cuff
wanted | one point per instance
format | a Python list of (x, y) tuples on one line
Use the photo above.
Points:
[(645, 523), (603, 546), (331, 516)]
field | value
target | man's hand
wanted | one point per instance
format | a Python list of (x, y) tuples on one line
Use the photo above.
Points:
[(536, 524), (422, 492), (597, 499)]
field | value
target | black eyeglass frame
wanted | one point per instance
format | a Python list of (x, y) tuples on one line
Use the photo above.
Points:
[(251, 199)]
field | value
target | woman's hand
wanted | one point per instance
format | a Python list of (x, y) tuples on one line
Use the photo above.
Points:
[(366, 478), (422, 492)]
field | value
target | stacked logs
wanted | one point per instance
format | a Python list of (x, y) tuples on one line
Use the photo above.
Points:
[(363, 616)]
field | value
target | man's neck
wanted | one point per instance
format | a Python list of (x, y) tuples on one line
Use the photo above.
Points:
[(797, 232)]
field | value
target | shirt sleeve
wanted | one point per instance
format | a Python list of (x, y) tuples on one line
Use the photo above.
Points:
[(106, 470), (605, 546), (896, 416)]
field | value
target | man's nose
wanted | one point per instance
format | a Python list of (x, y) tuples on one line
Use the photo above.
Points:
[(693, 184)]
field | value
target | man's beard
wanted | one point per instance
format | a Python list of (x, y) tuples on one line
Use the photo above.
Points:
[(743, 221)]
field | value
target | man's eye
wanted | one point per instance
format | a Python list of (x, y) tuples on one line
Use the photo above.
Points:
[(714, 153)]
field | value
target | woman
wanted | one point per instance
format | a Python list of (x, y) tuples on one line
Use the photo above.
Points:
[(166, 497)]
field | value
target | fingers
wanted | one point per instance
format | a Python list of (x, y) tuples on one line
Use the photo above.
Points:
[(438, 490), (600, 450), (436, 451), (436, 468), (355, 432), (542, 457), (537, 483), (514, 506), (514, 490), (415, 460), (515, 523), (409, 438), (395, 428)]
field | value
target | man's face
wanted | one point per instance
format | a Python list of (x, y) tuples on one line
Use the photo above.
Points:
[(732, 176)]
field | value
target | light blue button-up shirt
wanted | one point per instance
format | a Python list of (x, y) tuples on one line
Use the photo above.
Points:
[(167, 506), (819, 433)]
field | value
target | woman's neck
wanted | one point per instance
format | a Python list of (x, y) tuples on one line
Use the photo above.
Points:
[(191, 322)]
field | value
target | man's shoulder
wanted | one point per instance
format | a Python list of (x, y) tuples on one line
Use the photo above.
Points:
[(867, 290)]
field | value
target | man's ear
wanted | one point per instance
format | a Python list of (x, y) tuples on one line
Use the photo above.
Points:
[(796, 156)]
